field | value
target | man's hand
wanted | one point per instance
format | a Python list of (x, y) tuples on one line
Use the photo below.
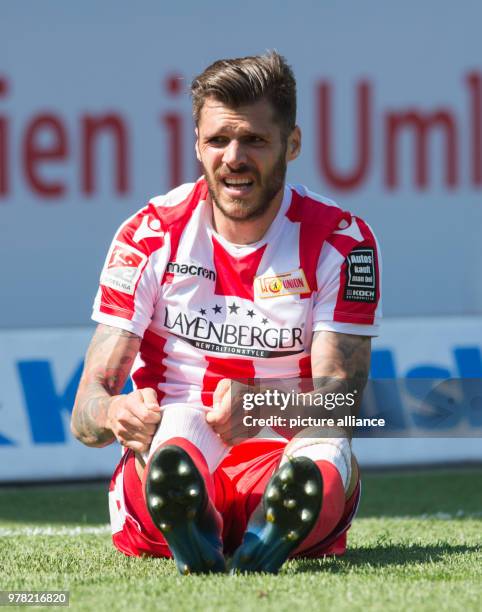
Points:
[(227, 413), (219, 417), (134, 418)]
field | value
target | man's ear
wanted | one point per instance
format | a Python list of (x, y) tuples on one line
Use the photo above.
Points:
[(196, 146), (294, 144)]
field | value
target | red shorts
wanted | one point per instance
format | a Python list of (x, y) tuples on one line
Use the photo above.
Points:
[(239, 481)]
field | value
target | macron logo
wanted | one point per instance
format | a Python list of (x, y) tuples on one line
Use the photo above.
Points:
[(190, 270)]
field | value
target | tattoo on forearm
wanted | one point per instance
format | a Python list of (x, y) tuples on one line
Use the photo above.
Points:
[(341, 363), (341, 356), (108, 362), (89, 422)]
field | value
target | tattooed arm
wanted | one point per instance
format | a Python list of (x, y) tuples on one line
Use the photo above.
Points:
[(340, 362), (100, 414)]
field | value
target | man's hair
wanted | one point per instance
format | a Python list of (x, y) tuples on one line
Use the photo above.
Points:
[(246, 80)]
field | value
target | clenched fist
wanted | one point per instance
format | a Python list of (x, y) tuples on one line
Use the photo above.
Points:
[(227, 414), (134, 418)]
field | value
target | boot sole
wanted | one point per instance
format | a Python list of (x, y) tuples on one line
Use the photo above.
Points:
[(291, 506), (177, 501)]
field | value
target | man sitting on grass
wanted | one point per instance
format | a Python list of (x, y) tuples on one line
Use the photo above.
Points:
[(238, 276)]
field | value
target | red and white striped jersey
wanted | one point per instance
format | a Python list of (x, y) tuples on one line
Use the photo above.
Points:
[(208, 309)]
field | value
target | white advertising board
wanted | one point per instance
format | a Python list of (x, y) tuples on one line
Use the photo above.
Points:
[(40, 369), (94, 120), (422, 348), (39, 373)]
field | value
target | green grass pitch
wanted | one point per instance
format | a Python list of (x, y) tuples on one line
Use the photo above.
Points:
[(416, 545)]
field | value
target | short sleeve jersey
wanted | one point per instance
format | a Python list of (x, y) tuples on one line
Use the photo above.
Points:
[(208, 309)]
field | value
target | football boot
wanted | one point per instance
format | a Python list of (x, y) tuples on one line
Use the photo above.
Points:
[(179, 505), (286, 514)]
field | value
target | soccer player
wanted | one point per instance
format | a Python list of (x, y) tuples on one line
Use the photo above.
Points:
[(238, 276)]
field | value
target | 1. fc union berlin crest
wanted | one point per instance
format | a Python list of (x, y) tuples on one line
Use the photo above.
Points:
[(287, 283)]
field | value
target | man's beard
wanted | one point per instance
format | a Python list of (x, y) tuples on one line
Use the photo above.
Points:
[(269, 188)]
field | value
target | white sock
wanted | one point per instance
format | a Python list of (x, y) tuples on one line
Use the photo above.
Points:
[(335, 450), (189, 422)]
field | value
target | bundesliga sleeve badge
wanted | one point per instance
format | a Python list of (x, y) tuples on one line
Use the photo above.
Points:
[(123, 268)]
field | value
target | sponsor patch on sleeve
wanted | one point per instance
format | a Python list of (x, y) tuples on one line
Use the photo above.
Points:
[(123, 268), (360, 285)]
